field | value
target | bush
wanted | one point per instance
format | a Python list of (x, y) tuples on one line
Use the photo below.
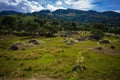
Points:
[(96, 34)]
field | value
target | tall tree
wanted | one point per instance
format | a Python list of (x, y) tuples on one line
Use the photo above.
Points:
[(34, 27), (9, 22)]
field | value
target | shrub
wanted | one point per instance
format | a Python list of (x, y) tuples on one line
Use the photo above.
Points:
[(96, 34), (79, 63)]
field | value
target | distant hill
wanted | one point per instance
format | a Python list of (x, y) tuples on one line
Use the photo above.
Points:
[(3, 13), (109, 18)]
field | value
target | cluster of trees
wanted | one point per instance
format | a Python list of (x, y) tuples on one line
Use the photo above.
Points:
[(28, 25), (97, 30)]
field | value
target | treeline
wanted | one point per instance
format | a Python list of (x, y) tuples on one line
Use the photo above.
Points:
[(28, 25)]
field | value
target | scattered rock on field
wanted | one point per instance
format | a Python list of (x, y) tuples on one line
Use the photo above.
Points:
[(82, 39), (70, 42), (105, 41), (35, 42), (112, 47), (17, 46), (78, 68), (99, 48), (94, 37)]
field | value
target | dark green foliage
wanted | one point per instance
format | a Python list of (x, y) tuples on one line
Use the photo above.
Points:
[(115, 30), (50, 30), (97, 30), (34, 27), (109, 18), (22, 25), (96, 34), (28, 25), (99, 26), (8, 23)]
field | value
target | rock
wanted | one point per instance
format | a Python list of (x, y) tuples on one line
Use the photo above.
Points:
[(17, 46), (104, 41), (78, 68), (82, 39), (99, 48), (35, 42), (27, 69), (112, 47), (68, 33), (76, 41), (94, 37), (63, 35), (70, 42), (13, 47)]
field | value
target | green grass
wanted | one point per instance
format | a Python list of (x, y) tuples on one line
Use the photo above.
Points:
[(56, 59)]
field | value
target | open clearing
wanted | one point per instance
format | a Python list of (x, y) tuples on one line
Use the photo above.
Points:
[(55, 59)]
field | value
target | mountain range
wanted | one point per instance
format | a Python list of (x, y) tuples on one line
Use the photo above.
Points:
[(108, 18)]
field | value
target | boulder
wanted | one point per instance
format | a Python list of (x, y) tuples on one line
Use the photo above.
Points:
[(94, 37), (105, 41), (63, 35), (13, 47), (82, 39), (112, 47), (35, 42), (17, 46), (99, 48), (78, 68), (70, 42)]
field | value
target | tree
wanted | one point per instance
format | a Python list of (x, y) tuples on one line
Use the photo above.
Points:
[(97, 34), (34, 27), (9, 23), (1, 26), (99, 26), (115, 30), (51, 30), (42, 31)]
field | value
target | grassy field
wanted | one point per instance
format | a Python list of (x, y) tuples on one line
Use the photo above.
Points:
[(53, 58)]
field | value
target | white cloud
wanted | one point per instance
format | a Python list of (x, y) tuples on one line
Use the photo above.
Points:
[(80, 4), (53, 8), (59, 3), (33, 5), (22, 5), (118, 11)]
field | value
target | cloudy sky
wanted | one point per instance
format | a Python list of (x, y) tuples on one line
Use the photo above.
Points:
[(26, 6)]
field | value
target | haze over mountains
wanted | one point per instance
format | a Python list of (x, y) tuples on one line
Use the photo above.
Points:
[(108, 18)]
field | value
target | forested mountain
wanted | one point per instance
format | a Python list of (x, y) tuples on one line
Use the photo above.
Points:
[(3, 13), (109, 18), (47, 23)]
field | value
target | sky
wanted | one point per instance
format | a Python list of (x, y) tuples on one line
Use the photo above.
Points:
[(28, 6)]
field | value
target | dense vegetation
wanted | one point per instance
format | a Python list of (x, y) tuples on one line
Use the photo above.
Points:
[(109, 18), (22, 24)]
